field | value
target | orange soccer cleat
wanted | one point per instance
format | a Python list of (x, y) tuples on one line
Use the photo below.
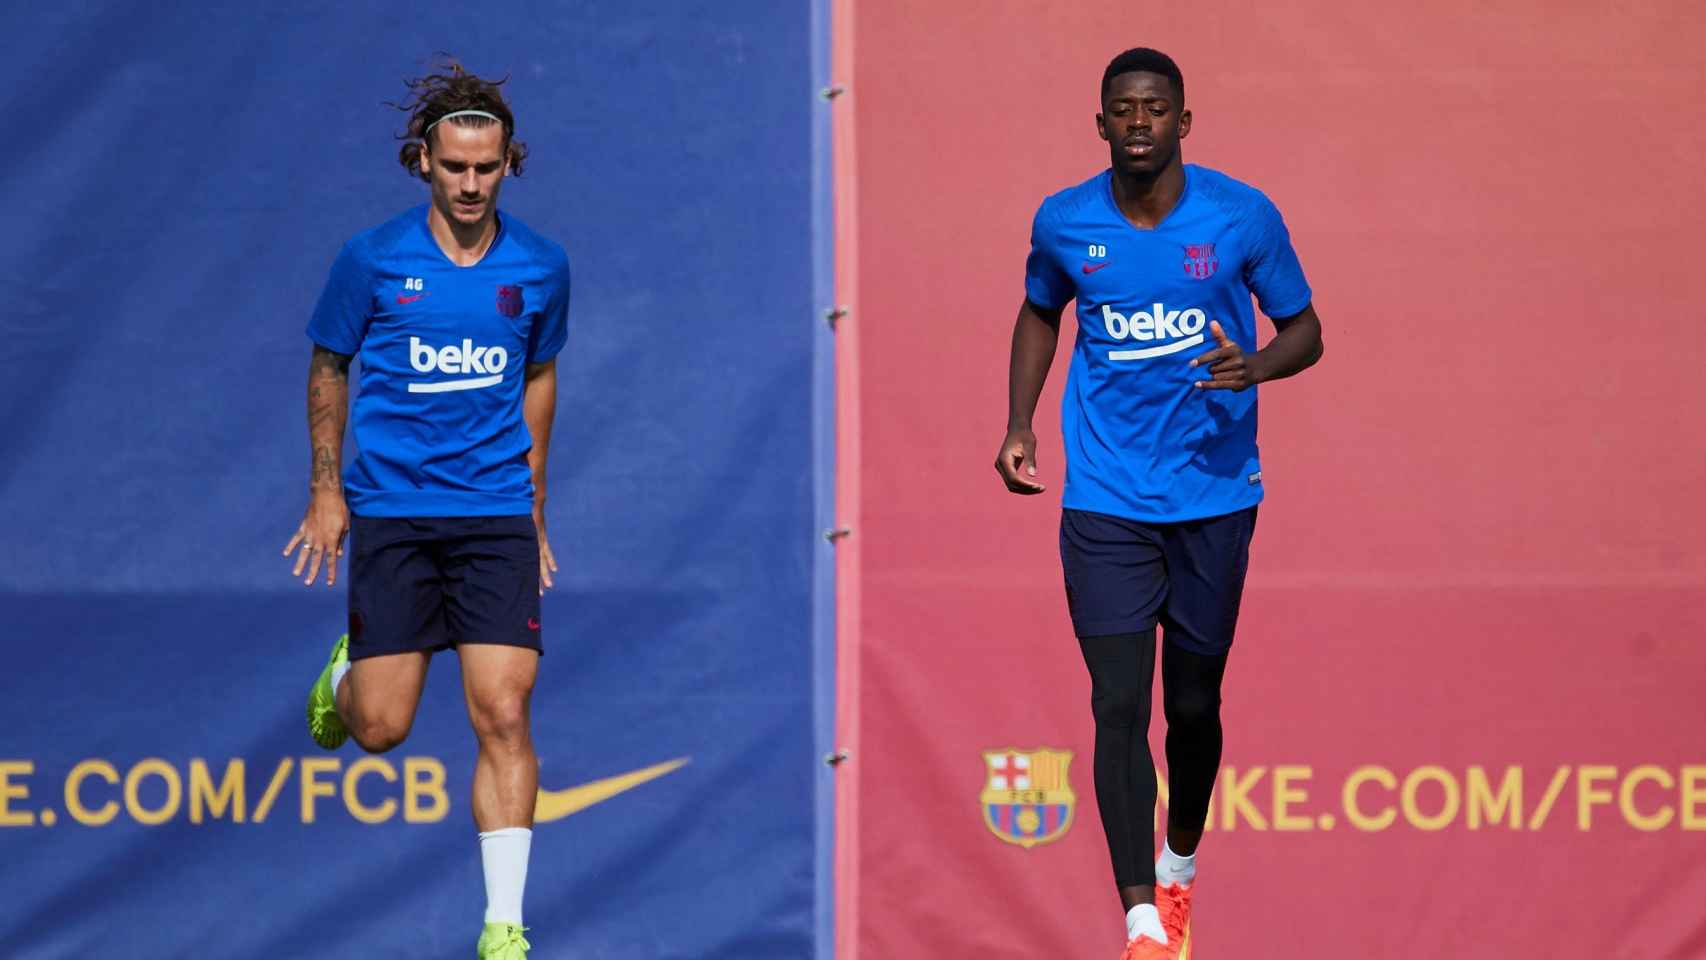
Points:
[(1173, 902), (1144, 948)]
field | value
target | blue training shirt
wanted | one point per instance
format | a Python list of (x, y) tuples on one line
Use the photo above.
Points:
[(1142, 442), (438, 414)]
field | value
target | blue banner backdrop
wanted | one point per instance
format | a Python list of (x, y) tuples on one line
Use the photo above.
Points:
[(180, 179)]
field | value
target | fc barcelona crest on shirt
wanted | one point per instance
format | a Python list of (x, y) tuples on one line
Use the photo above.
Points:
[(1026, 797), (1200, 261), (509, 301)]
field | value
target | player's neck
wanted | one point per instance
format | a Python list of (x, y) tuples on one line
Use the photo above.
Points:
[(1146, 201), (464, 244)]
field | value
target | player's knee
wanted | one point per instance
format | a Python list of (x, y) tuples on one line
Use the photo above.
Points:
[(501, 718), (1117, 706), (1192, 708), (377, 734)]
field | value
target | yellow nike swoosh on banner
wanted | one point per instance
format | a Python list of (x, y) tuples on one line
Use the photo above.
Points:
[(556, 804)]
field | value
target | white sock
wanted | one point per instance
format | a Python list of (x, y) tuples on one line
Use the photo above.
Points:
[(1146, 920), (503, 854), (338, 673), (1170, 868)]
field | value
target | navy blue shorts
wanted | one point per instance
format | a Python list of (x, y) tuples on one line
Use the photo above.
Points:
[(428, 584), (1125, 576)]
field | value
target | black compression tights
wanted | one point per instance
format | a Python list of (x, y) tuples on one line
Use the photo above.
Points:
[(1122, 672)]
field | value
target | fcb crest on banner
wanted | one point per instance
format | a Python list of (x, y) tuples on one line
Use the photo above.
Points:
[(509, 301), (1200, 261), (1026, 797)]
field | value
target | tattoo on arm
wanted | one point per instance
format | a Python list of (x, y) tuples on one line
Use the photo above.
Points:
[(319, 414), (328, 406), (325, 363), (328, 386), (325, 466)]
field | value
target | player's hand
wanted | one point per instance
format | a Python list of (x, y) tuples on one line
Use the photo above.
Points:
[(1231, 367), (321, 536), (547, 561), (1017, 462)]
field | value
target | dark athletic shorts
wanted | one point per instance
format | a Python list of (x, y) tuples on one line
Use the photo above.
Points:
[(431, 583), (1125, 576)]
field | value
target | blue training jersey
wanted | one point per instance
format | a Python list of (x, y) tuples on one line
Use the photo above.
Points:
[(1141, 442), (443, 349)]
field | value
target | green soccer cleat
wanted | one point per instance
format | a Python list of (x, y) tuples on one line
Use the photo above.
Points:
[(324, 724), (503, 941)]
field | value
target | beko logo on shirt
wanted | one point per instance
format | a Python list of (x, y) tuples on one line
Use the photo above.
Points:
[(466, 358), (1182, 328)]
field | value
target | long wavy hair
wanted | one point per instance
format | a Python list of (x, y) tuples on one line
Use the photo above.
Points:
[(446, 90)]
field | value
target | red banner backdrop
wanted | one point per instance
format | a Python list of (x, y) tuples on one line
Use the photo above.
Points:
[(1464, 713)]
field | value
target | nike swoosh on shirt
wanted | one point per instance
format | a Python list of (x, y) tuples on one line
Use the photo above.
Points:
[(1089, 268), (552, 805), (403, 299)]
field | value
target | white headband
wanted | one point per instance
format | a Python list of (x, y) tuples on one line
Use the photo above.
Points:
[(459, 113)]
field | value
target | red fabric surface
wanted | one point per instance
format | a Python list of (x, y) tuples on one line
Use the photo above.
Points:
[(1481, 546)]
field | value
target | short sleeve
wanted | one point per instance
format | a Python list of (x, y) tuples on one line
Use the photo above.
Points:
[(1271, 269), (1046, 284), (551, 329), (346, 305)]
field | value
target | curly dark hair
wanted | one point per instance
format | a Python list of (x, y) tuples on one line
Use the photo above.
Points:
[(449, 89)]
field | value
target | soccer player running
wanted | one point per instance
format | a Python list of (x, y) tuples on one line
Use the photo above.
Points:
[(1162, 476), (457, 312)]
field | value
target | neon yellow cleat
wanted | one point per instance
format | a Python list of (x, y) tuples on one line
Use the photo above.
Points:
[(503, 941), (324, 724)]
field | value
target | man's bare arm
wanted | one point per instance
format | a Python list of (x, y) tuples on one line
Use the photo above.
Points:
[(321, 534), (539, 408), (1295, 348), (1036, 331), (328, 410)]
